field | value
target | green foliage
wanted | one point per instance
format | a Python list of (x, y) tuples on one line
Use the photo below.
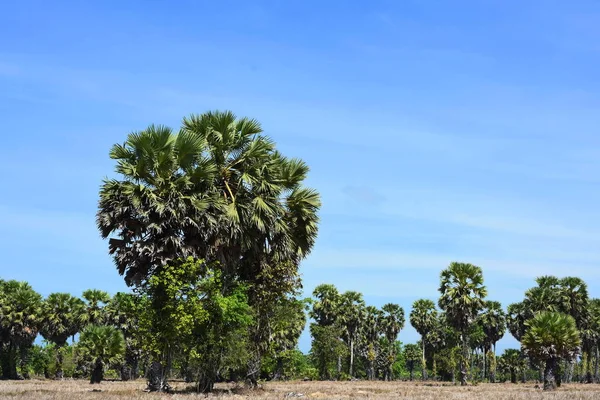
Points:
[(20, 316), (327, 348), (100, 342), (412, 358), (551, 335), (95, 301), (193, 313)]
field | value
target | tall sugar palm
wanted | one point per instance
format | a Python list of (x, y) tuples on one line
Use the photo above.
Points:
[(100, 346), (462, 298), (63, 316), (20, 315), (550, 338), (352, 309), (423, 318), (95, 302), (392, 322), (217, 190)]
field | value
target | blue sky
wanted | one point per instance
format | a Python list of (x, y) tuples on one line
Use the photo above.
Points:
[(436, 131)]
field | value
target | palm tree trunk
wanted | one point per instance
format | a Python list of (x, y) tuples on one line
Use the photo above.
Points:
[(98, 372), (596, 364), (423, 361), (549, 378), (24, 360), (59, 363), (351, 368), (464, 360)]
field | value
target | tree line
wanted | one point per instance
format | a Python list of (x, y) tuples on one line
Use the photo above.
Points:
[(207, 333), (208, 226)]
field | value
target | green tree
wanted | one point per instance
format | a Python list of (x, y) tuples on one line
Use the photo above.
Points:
[(392, 321), (372, 330), (462, 293), (99, 347), (20, 315), (62, 317), (511, 362), (95, 302), (288, 323), (550, 338), (192, 312), (351, 313), (412, 357), (218, 190), (423, 318), (326, 331), (493, 323), (124, 312)]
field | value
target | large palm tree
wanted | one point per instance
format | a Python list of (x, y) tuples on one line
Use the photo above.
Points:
[(392, 322), (216, 190), (20, 315), (550, 338), (95, 302), (462, 298), (63, 316), (423, 318), (100, 346)]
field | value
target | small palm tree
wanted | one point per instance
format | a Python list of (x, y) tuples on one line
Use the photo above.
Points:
[(462, 294), (100, 346), (550, 338), (62, 317), (412, 357)]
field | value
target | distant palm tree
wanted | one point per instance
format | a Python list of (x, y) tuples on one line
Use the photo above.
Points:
[(100, 346), (392, 322), (493, 323), (423, 317), (372, 328), (550, 338), (462, 293), (20, 314), (412, 356), (124, 312), (95, 301), (512, 363), (62, 317), (352, 309)]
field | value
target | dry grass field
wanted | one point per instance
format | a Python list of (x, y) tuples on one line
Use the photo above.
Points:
[(81, 390)]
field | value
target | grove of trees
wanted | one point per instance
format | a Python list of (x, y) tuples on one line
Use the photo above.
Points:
[(208, 226)]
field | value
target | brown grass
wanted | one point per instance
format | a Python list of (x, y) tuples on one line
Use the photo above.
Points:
[(81, 390)]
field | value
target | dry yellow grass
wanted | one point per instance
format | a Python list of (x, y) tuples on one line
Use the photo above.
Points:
[(81, 390)]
